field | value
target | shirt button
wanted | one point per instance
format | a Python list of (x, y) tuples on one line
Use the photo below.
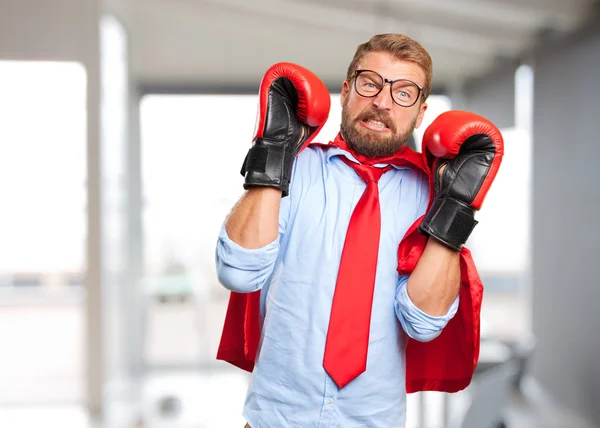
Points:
[(330, 400)]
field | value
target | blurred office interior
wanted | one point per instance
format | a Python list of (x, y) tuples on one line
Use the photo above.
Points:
[(123, 126)]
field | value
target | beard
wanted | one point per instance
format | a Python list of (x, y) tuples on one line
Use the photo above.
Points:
[(371, 143)]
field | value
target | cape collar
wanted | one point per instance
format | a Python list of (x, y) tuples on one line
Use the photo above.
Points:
[(405, 157)]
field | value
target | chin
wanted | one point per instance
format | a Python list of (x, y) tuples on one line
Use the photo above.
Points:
[(379, 136), (375, 137)]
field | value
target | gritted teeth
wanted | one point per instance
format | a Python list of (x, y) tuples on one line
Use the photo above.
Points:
[(377, 123)]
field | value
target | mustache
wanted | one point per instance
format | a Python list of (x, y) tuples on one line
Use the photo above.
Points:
[(376, 115)]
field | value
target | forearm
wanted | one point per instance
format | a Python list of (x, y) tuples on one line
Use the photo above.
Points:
[(434, 284), (253, 222)]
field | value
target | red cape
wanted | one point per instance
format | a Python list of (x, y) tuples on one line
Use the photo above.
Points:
[(446, 364)]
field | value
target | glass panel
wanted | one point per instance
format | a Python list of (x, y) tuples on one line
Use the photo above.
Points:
[(192, 150), (43, 230)]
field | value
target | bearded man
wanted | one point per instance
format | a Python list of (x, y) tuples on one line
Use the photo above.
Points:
[(346, 260)]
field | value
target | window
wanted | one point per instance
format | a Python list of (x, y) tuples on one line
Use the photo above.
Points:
[(43, 229)]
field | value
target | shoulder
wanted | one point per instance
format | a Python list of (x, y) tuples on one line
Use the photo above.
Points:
[(312, 159), (314, 151), (422, 190), (415, 178), (415, 187), (421, 179), (308, 169)]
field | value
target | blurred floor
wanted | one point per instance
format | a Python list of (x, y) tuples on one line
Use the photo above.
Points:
[(534, 409), (182, 400), (42, 357), (41, 370), (217, 404)]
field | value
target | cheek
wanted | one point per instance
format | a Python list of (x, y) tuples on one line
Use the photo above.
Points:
[(355, 106), (405, 118), (350, 110)]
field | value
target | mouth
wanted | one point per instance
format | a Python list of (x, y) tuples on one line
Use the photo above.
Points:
[(374, 125)]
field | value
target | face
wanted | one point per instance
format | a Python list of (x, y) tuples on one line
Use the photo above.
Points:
[(378, 127)]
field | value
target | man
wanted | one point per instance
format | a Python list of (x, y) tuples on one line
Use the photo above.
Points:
[(317, 236)]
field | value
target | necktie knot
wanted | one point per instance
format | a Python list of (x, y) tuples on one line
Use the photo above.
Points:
[(368, 173)]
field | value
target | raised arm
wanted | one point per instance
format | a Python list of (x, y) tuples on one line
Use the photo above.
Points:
[(293, 106), (464, 152)]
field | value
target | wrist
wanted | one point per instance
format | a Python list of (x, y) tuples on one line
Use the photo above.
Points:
[(268, 165), (450, 221), (264, 192)]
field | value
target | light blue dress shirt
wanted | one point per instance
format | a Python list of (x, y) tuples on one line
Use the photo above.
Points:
[(297, 274)]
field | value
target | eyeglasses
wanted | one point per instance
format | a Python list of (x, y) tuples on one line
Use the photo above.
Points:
[(369, 84)]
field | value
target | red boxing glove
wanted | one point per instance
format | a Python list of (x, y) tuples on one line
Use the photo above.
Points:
[(464, 152), (293, 106)]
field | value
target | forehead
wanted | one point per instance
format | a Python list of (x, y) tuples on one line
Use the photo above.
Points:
[(391, 68)]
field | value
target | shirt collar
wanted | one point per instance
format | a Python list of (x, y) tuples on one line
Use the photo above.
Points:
[(333, 151), (405, 158)]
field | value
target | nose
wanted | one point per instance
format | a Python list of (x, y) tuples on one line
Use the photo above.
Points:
[(383, 100)]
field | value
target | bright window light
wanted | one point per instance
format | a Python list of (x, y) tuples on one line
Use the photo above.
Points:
[(42, 166)]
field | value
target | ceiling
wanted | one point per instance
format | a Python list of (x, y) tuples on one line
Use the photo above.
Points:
[(228, 44)]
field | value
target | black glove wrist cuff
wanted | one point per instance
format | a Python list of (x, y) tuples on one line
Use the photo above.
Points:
[(267, 165), (450, 221)]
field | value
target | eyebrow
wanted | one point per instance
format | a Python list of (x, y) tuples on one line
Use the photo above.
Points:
[(400, 78)]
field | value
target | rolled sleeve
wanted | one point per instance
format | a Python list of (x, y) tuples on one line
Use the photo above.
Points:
[(416, 323), (241, 269)]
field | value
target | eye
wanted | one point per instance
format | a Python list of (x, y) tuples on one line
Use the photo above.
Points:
[(405, 90), (369, 83)]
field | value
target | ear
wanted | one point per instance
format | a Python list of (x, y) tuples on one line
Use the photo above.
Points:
[(422, 109), (345, 91)]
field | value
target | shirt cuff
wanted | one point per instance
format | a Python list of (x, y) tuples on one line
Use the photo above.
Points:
[(241, 269), (242, 258), (418, 324)]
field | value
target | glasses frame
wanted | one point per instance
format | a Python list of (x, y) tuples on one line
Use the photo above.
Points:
[(391, 82)]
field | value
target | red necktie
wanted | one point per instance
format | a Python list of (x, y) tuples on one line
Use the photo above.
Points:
[(348, 334)]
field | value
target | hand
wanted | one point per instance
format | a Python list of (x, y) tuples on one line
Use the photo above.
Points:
[(294, 105), (464, 152)]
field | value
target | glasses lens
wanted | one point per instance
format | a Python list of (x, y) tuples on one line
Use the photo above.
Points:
[(368, 83), (405, 92)]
